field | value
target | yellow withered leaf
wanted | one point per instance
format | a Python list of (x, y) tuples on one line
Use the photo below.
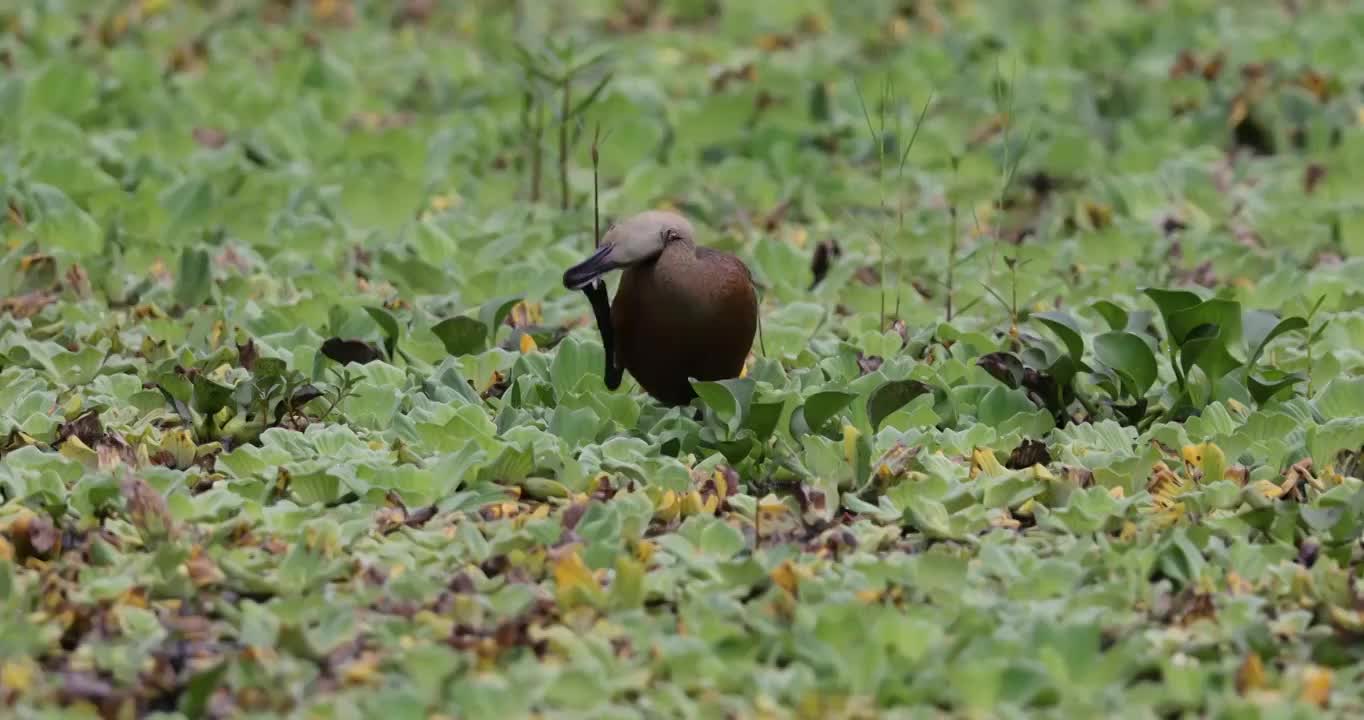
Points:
[(573, 579), (850, 435), (692, 503), (667, 508), (1208, 458), (362, 671), (180, 444), (1268, 489), (711, 504), (771, 505), (1251, 675), (721, 482), (17, 675), (528, 344), (75, 449), (786, 577), (1316, 685), (983, 460)]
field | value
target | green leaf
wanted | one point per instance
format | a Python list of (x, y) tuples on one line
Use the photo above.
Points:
[(200, 689), (390, 327), (574, 360), (188, 204), (1286, 325), (763, 418), (1225, 315), (209, 396), (1131, 357), (891, 396), (194, 279), (1170, 302), (728, 399), (1206, 347), (721, 539), (1341, 398), (627, 588), (930, 517), (318, 487), (1274, 381), (821, 407), (1065, 328), (1115, 316), (1001, 403), (461, 335), (493, 312)]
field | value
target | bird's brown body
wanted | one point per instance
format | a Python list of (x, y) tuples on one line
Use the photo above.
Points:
[(681, 311), (692, 313)]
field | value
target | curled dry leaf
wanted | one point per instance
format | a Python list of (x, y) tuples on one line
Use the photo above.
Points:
[(1028, 453), (147, 509)]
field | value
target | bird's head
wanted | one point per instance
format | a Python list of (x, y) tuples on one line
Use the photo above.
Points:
[(634, 240)]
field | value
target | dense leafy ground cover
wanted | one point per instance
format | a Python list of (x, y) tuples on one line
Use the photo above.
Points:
[(1057, 410)]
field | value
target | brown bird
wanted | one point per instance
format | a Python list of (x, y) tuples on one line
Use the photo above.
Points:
[(681, 311)]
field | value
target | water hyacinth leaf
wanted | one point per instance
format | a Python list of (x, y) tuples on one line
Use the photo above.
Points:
[(1268, 383), (891, 396), (721, 539), (194, 279), (728, 399), (461, 335), (1004, 367), (799, 426), (200, 689), (209, 396), (1170, 302), (1340, 398), (1000, 404), (1206, 347), (493, 313), (1115, 316), (821, 407), (734, 450), (929, 517), (1286, 325), (389, 325), (576, 359), (188, 203), (1068, 331), (1225, 315), (763, 418), (315, 488), (1130, 356)]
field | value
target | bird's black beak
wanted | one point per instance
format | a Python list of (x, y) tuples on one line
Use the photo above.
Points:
[(601, 309), (584, 273)]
